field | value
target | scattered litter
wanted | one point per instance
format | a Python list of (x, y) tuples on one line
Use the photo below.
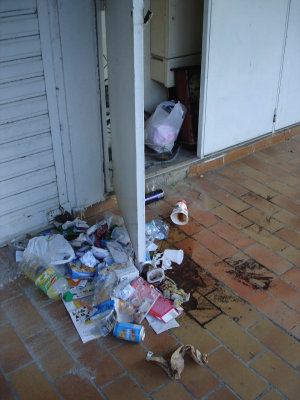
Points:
[(154, 196), (175, 366), (45, 278), (84, 373), (180, 214), (159, 326), (92, 269), (51, 250), (172, 256), (131, 332)]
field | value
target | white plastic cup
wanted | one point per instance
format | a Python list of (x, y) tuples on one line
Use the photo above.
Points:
[(180, 214), (173, 256)]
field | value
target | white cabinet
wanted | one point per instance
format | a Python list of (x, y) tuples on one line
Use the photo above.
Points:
[(176, 37)]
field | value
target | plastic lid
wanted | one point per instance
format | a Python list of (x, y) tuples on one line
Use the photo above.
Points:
[(68, 296)]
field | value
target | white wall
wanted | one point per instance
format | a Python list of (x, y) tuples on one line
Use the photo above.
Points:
[(155, 92)]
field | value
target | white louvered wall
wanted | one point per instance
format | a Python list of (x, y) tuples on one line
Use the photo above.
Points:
[(28, 187)]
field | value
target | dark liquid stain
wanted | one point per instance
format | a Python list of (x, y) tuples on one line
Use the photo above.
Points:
[(191, 278), (250, 271)]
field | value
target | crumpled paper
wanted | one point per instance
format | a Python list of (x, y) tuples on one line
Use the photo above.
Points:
[(175, 365)]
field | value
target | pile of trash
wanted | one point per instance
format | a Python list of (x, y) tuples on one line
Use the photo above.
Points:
[(94, 271)]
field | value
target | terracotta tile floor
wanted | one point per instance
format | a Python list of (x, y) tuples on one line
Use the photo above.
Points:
[(241, 266)]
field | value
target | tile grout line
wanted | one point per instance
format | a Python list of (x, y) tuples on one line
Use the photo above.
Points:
[(35, 359), (10, 385), (50, 325)]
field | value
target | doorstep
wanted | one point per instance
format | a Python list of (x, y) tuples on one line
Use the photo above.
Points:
[(178, 171)]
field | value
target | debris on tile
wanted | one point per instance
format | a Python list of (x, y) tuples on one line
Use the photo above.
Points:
[(180, 215), (98, 280), (130, 332), (175, 366)]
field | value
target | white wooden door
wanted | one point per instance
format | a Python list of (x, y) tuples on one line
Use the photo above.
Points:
[(124, 21), (288, 111), (28, 175), (242, 57)]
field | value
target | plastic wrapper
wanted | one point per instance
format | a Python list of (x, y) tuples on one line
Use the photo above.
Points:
[(51, 250), (120, 235), (142, 300), (156, 229), (104, 286)]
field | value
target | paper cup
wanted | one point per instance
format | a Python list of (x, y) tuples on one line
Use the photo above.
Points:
[(174, 256), (180, 214)]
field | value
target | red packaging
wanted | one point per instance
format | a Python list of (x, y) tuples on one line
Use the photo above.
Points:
[(163, 310)]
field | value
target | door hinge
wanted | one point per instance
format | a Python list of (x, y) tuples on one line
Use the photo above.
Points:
[(274, 116)]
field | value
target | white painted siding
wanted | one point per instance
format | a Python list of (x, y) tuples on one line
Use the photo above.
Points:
[(28, 178)]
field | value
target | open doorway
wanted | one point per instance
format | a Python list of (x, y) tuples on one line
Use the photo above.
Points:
[(172, 70)]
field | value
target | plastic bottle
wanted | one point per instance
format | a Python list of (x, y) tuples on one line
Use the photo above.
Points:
[(46, 279)]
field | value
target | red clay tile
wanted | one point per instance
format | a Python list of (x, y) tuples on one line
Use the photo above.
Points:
[(198, 379), (292, 276), (277, 340), (258, 297), (124, 387), (278, 374), (171, 391), (9, 291), (288, 204), (191, 227), (45, 347), (22, 381), (215, 244), (223, 394), (13, 352), (288, 218), (260, 203), (236, 375), (295, 331), (268, 259), (286, 293), (290, 236), (25, 317), (233, 235), (279, 313), (133, 357), (73, 387), (262, 219), (204, 217), (258, 188), (231, 201), (231, 217), (227, 184), (203, 184), (93, 356), (292, 254), (265, 238), (5, 389), (249, 172), (198, 253), (60, 319)]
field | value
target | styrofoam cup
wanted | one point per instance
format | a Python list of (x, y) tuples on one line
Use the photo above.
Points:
[(180, 214), (174, 256)]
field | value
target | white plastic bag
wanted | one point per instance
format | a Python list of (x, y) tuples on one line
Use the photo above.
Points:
[(52, 249), (162, 128)]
